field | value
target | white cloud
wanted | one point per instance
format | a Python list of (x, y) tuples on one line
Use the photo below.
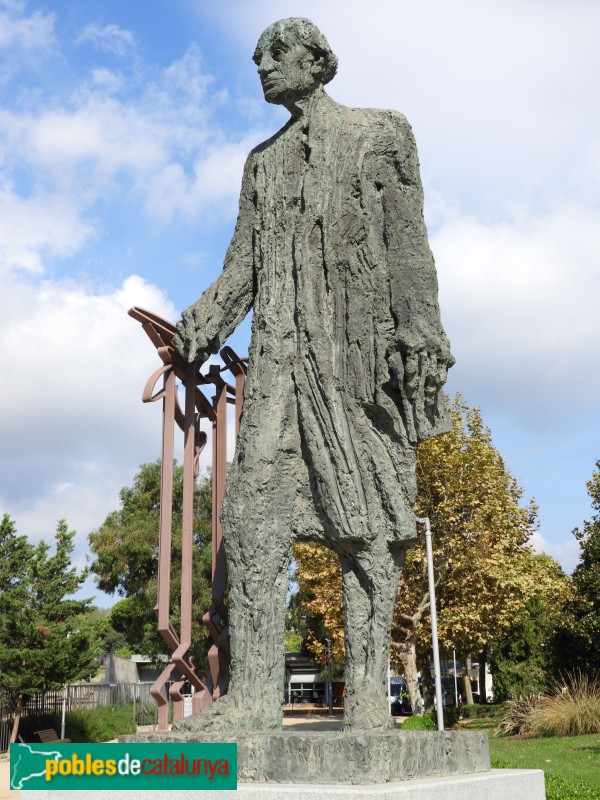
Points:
[(520, 304), (32, 226), (30, 33), (566, 552), (108, 38), (159, 146), (212, 187), (73, 428)]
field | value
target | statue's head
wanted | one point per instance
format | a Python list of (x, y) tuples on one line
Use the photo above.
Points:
[(293, 59)]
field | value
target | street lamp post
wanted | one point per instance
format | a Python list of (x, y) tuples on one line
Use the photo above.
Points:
[(434, 632)]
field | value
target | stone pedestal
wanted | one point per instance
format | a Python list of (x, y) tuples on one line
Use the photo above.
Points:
[(340, 757)]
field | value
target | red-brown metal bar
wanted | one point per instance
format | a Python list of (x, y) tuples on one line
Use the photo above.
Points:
[(197, 407)]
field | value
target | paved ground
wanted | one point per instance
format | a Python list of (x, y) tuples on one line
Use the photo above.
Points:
[(308, 722), (5, 793)]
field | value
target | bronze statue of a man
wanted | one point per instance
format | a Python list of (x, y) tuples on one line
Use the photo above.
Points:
[(347, 360)]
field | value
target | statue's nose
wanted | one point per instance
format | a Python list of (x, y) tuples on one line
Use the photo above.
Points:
[(265, 65)]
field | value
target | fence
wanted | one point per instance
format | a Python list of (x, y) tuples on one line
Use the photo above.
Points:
[(79, 697)]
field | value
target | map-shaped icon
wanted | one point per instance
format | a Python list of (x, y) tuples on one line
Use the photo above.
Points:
[(34, 766)]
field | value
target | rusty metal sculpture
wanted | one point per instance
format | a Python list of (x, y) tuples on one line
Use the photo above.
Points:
[(197, 407)]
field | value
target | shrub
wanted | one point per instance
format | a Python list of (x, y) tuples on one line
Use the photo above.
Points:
[(573, 709), (480, 711), (428, 722), (94, 725), (100, 724), (425, 723), (451, 716), (517, 715)]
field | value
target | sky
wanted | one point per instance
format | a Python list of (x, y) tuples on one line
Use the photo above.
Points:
[(123, 132)]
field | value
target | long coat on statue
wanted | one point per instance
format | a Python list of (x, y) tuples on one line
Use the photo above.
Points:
[(330, 250)]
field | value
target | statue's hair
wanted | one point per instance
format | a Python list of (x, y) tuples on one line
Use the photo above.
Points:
[(305, 32)]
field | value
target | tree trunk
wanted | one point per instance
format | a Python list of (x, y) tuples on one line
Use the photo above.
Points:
[(466, 679), (407, 653), (16, 719), (482, 686), (424, 663)]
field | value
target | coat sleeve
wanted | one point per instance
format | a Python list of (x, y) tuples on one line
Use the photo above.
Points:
[(418, 352), (207, 323)]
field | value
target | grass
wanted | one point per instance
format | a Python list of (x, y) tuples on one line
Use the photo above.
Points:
[(567, 761), (571, 764)]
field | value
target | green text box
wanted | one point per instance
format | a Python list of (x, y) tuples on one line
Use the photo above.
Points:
[(123, 766)]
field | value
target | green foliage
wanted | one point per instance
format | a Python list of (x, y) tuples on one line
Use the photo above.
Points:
[(579, 639), (526, 660), (93, 725), (46, 637), (125, 561), (558, 789), (425, 723), (293, 642), (100, 724), (428, 722), (480, 711), (451, 716), (523, 663)]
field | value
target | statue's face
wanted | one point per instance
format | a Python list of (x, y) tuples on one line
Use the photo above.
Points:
[(285, 67)]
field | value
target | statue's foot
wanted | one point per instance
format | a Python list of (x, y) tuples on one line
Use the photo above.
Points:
[(228, 716), (367, 711)]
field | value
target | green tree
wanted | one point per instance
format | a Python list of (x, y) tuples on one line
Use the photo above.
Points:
[(579, 640), (524, 661), (45, 639), (125, 561)]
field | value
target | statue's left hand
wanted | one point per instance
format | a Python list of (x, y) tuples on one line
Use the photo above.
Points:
[(190, 338)]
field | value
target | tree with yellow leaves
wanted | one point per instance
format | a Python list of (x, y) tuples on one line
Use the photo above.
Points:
[(483, 565)]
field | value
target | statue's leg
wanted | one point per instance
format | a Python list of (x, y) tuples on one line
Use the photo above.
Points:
[(258, 554), (370, 581), (256, 517), (257, 604)]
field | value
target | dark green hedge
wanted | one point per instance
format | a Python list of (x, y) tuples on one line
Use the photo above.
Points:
[(96, 725)]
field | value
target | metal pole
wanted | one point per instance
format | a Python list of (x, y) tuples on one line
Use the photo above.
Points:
[(64, 712), (455, 679), (330, 677), (434, 633)]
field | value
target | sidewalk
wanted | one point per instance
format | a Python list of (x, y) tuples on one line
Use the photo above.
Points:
[(5, 792)]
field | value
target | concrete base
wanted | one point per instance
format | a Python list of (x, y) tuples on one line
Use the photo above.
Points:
[(496, 784), (345, 757)]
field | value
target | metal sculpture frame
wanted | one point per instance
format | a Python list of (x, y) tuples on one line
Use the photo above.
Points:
[(197, 407)]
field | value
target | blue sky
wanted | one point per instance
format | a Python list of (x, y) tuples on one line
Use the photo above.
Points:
[(123, 131)]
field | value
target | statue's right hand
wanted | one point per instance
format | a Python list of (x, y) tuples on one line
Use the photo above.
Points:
[(190, 338)]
